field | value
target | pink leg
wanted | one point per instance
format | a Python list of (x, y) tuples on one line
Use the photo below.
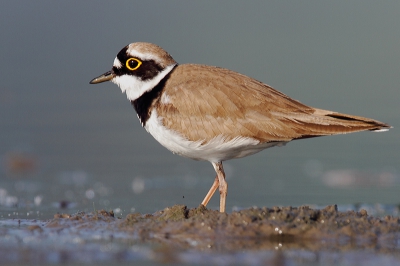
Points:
[(223, 185), (211, 192)]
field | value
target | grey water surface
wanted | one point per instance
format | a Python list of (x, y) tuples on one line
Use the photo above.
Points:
[(68, 146)]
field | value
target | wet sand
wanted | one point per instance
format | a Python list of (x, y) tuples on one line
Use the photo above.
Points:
[(254, 228), (178, 235)]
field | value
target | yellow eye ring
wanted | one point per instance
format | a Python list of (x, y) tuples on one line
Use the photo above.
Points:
[(133, 64)]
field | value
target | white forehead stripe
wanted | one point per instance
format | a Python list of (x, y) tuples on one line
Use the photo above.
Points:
[(147, 56), (117, 63)]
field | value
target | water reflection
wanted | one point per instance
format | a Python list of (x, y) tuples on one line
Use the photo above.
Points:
[(95, 239)]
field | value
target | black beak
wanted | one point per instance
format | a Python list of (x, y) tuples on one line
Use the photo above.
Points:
[(102, 78)]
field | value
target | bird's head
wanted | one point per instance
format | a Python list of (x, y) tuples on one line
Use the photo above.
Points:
[(138, 68)]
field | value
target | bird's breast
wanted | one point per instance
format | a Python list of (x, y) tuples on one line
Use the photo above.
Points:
[(217, 149)]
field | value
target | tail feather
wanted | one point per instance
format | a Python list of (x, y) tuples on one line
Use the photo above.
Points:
[(323, 123), (372, 125)]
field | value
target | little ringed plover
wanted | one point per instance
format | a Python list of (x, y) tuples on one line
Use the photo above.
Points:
[(215, 114)]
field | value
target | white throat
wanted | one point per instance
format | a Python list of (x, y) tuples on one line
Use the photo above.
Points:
[(134, 87)]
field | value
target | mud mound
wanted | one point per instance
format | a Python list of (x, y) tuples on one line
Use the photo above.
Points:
[(247, 228)]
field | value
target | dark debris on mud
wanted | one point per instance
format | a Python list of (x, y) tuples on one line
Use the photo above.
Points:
[(179, 225)]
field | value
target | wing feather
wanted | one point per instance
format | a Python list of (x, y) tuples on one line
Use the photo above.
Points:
[(206, 102)]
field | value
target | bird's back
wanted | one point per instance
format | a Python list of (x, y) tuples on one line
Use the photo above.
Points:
[(206, 102)]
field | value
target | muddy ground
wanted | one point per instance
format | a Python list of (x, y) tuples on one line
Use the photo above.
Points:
[(250, 229)]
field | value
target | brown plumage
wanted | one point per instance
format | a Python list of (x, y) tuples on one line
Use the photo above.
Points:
[(210, 113), (202, 102)]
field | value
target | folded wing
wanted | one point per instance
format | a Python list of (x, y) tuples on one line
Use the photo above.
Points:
[(205, 102)]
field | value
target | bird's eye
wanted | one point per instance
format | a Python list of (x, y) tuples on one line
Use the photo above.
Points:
[(133, 63)]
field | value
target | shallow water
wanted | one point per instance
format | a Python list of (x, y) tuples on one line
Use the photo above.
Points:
[(115, 167), (67, 146), (100, 238)]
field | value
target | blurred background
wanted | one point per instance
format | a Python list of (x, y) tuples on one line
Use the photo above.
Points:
[(66, 145)]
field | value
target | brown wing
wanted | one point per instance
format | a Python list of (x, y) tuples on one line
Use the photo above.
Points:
[(204, 102)]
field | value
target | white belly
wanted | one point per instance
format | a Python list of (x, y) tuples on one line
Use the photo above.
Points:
[(215, 150)]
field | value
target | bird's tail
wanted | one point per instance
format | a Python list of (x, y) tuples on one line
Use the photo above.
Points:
[(324, 123)]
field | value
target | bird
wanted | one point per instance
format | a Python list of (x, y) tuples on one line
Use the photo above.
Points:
[(214, 114)]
